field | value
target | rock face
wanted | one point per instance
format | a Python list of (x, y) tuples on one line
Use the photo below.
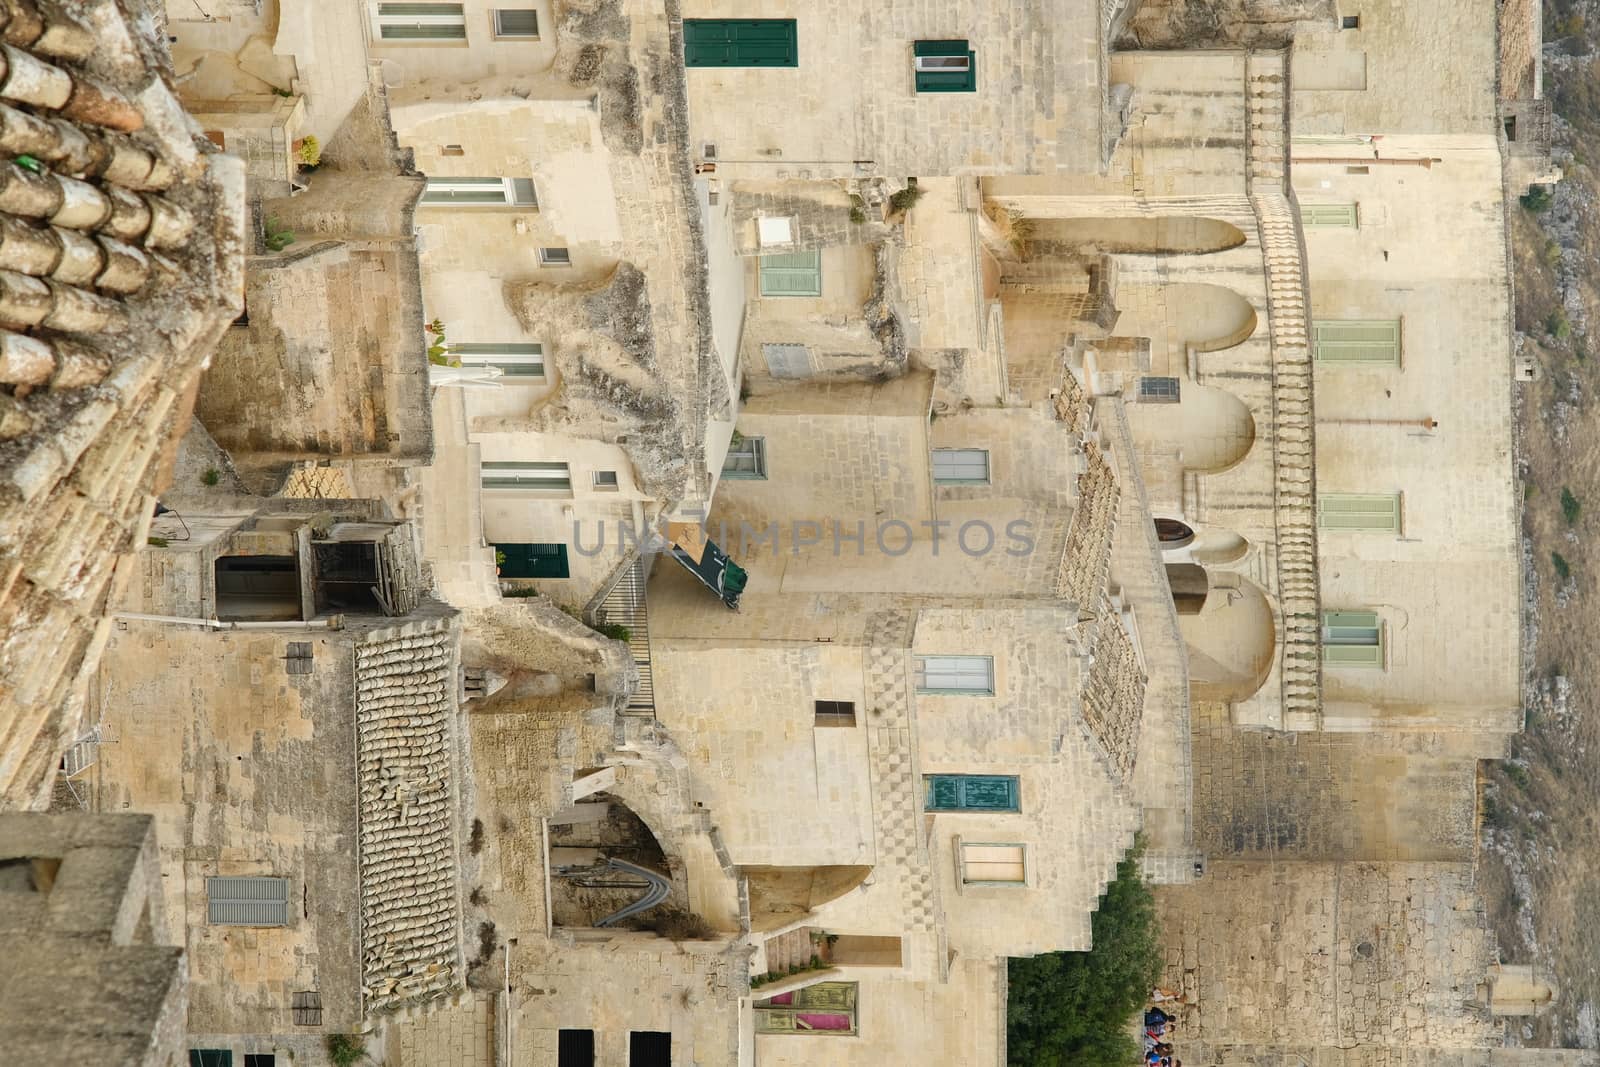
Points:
[(612, 388), (121, 247), (1221, 23)]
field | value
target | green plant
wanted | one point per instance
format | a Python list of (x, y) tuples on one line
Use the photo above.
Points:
[(278, 238), (212, 476), (344, 1050), (1074, 1008), (615, 631), (1557, 325), (499, 558), (1570, 508), (520, 591), (1563, 568), (905, 199), (438, 347), (1551, 254), (157, 542), (1530, 490), (1517, 773), (1536, 199), (857, 216), (309, 150), (286, 94)]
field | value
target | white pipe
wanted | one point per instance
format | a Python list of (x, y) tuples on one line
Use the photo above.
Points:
[(506, 1060), (332, 622)]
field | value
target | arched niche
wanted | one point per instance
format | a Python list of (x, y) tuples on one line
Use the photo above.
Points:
[(1163, 235)]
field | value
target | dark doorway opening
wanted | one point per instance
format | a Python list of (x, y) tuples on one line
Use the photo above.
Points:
[(258, 588), (347, 575), (575, 1048), (649, 1048)]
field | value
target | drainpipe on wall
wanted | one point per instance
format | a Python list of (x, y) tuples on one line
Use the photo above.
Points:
[(332, 622)]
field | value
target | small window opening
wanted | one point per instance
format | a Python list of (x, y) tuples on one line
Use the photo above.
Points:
[(452, 150), (1350, 22), (835, 713), (1358, 170), (347, 576), (555, 257), (258, 588)]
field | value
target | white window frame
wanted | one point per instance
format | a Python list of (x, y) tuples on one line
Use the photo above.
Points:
[(753, 447), (956, 455), (509, 196), (549, 257), (963, 882), (500, 32), (381, 19), (604, 485), (512, 357), (943, 64), (959, 671), (534, 476)]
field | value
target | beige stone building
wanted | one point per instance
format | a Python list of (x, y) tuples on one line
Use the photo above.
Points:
[(1108, 420)]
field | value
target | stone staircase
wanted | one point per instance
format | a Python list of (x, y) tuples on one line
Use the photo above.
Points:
[(1288, 301)]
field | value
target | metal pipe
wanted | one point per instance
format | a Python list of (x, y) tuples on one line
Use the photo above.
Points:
[(1426, 162), (1425, 423), (332, 622)]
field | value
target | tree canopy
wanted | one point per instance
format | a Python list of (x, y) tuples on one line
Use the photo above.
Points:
[(1077, 1008)]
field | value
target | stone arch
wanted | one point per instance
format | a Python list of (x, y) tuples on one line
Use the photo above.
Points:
[(1216, 545), (782, 895), (1160, 235), (1231, 640), (1173, 534), (1210, 317), (1211, 428)]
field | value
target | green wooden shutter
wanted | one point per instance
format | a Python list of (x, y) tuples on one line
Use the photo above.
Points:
[(1352, 639), (740, 43), (971, 792), (1374, 341), (534, 560), (210, 1057), (944, 792), (1328, 215), (1370, 512), (826, 996), (960, 81), (792, 274)]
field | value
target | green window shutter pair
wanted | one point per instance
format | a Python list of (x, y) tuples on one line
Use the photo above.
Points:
[(961, 466), (1373, 341), (971, 792), (525, 560), (1328, 216), (1368, 512), (740, 43), (514, 358), (939, 68), (421, 22), (792, 274), (1352, 639)]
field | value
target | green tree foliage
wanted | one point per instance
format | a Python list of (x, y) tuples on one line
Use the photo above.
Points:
[(1076, 1009)]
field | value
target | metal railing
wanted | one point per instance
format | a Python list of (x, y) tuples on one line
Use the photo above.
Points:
[(624, 605)]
